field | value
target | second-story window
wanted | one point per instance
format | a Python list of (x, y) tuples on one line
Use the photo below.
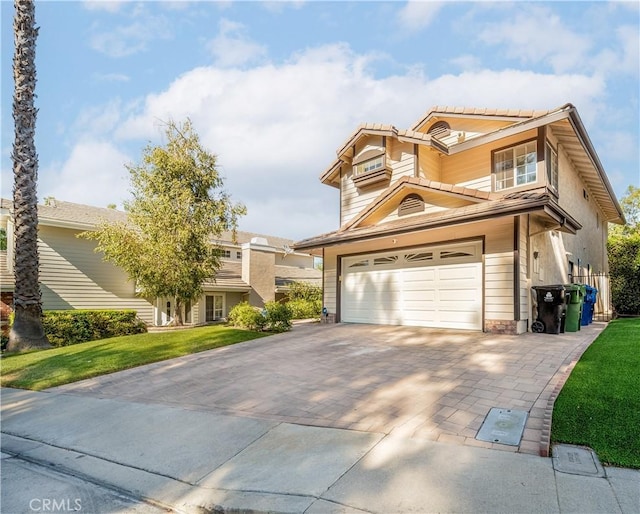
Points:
[(551, 159), (515, 166), (368, 166)]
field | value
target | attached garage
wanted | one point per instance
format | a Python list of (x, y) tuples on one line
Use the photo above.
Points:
[(432, 286)]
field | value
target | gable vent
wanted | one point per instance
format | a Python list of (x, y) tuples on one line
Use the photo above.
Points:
[(411, 204), (440, 129)]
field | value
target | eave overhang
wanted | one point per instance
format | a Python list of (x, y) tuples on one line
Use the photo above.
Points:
[(512, 205)]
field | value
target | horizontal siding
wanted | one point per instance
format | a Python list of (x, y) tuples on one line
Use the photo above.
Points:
[(498, 280), (524, 271), (470, 166), (353, 199), (73, 276), (401, 160), (430, 163), (473, 167), (330, 280)]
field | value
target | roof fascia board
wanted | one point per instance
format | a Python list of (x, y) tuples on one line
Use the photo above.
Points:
[(509, 131), (431, 143), (515, 210), (436, 115), (391, 132), (585, 141), (77, 225)]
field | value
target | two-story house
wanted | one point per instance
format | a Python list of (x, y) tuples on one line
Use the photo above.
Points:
[(450, 223), (255, 268)]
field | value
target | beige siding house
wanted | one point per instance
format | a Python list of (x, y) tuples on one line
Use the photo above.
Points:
[(255, 268), (450, 223)]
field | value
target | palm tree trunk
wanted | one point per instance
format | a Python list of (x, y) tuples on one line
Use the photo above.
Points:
[(27, 331)]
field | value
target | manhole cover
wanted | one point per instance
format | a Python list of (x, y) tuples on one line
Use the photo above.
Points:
[(576, 460), (504, 426)]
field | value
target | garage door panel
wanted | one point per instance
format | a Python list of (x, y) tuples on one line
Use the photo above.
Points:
[(418, 296), (466, 296), (434, 294), (459, 272)]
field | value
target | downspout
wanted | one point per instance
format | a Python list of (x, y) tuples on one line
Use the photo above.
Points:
[(516, 268)]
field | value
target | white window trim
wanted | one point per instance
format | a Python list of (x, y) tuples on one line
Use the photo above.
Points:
[(551, 158), (513, 171)]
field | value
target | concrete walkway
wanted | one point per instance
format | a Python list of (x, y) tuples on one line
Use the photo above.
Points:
[(324, 419), (206, 462)]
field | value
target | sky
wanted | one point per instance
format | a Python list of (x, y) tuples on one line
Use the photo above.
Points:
[(274, 88)]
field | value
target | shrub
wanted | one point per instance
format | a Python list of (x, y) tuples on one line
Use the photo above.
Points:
[(64, 328), (302, 309), (624, 267), (245, 316), (304, 291), (277, 317)]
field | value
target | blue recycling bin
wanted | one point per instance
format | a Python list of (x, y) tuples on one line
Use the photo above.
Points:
[(589, 305)]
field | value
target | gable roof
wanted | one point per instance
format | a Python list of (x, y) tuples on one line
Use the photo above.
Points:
[(510, 205), (480, 112), (564, 121), (406, 185)]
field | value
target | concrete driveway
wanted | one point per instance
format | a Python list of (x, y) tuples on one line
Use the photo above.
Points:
[(414, 382)]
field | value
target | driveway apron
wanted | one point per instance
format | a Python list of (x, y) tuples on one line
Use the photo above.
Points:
[(415, 382)]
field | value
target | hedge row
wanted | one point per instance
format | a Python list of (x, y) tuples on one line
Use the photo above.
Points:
[(64, 328)]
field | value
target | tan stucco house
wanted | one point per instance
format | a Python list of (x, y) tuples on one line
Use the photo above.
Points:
[(451, 222), (255, 268)]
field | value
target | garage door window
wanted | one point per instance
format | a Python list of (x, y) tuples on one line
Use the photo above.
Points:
[(451, 255), (380, 261), (419, 257)]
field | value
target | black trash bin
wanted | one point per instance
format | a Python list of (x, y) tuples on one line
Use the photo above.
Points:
[(551, 309)]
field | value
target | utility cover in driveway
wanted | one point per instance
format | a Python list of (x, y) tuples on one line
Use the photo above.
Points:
[(504, 426)]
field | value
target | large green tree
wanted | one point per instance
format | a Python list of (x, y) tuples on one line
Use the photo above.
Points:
[(178, 205), (26, 332), (624, 256)]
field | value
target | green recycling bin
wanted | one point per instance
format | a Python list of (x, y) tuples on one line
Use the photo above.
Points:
[(575, 296)]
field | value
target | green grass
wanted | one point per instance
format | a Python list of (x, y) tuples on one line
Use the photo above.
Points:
[(599, 406), (39, 370)]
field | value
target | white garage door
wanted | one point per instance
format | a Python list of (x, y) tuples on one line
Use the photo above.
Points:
[(437, 286)]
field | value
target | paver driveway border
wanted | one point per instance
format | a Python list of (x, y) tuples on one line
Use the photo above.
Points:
[(411, 381)]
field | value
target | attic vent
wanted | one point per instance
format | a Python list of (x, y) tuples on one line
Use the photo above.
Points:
[(410, 204), (440, 129)]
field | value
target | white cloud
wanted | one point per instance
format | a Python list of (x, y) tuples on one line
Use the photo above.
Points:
[(232, 47), (111, 77), (275, 128), (128, 39), (94, 174), (535, 34), (111, 6), (467, 62), (416, 14)]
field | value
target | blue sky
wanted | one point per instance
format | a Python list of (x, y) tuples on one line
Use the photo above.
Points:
[(274, 88)]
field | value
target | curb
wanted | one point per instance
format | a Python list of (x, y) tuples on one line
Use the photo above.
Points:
[(560, 378)]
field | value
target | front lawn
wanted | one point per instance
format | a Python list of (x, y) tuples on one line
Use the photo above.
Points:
[(599, 406), (49, 368)]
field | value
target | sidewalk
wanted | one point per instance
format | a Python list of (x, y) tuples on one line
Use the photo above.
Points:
[(204, 462)]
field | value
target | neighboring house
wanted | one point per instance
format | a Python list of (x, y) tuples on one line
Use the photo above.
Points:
[(449, 224), (72, 276)]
